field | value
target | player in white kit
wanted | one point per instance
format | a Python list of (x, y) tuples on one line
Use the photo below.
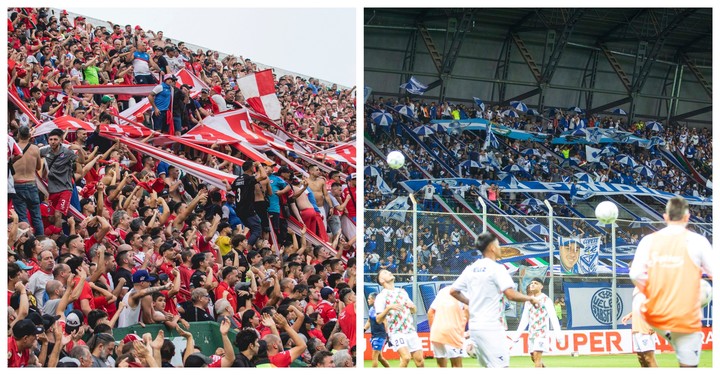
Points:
[(643, 336), (394, 308), (482, 286), (538, 320)]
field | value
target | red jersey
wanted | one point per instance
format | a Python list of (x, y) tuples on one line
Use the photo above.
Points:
[(351, 206), (85, 294), (347, 322), (17, 358), (232, 295), (327, 311), (281, 359)]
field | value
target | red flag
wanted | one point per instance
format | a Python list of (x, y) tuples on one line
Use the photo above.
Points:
[(259, 91)]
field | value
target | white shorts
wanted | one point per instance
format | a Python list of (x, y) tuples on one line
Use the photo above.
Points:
[(540, 344), (492, 349), (407, 340), (688, 346), (446, 351), (642, 342)]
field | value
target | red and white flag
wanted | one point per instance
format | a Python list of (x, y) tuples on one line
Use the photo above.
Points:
[(344, 153), (259, 91), (68, 123)]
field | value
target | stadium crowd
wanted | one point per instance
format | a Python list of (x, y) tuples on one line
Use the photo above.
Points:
[(547, 163), (113, 238)]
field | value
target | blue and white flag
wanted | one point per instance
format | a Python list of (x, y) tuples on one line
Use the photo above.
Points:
[(368, 91), (396, 209), (479, 103), (414, 86), (380, 183), (490, 140), (579, 255), (592, 154)]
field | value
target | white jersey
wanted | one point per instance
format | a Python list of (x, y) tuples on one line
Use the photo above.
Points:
[(483, 283), (395, 321)]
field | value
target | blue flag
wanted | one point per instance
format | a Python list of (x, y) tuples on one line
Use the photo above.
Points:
[(414, 86)]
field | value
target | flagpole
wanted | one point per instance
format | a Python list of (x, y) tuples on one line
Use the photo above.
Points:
[(613, 298), (551, 222), (484, 213), (415, 254)]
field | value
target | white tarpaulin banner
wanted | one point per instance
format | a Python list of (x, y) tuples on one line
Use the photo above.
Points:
[(589, 304)]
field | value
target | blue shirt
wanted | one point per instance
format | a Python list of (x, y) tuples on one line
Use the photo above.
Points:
[(376, 329), (162, 167), (277, 184), (162, 100)]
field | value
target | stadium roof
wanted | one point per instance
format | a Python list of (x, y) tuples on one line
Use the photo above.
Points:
[(677, 31)]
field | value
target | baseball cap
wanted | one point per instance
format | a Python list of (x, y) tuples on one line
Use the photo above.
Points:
[(68, 362), (49, 320), (326, 291), (169, 76), (35, 317), (25, 327), (197, 360), (204, 90), (142, 275), (21, 232), (352, 176), (130, 337), (22, 265), (74, 319), (106, 99)]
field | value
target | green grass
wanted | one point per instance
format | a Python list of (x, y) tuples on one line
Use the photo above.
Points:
[(615, 360)]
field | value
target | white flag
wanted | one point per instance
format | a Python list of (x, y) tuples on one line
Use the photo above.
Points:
[(592, 154), (396, 209)]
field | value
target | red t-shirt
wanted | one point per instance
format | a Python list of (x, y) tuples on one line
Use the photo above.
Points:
[(347, 323), (232, 295), (85, 294), (260, 300), (16, 358), (350, 208), (281, 359), (326, 311)]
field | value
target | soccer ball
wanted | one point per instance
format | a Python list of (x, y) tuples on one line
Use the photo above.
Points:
[(606, 212), (395, 159), (470, 348), (705, 292)]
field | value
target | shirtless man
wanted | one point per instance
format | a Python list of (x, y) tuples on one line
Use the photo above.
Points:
[(318, 185), (176, 190), (263, 190), (310, 217), (26, 195), (79, 146)]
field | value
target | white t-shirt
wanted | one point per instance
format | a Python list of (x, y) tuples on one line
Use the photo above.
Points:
[(483, 283), (395, 321), (429, 191)]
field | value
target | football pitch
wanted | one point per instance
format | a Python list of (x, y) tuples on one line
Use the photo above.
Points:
[(616, 360)]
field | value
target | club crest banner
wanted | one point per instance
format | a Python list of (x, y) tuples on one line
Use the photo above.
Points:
[(589, 305)]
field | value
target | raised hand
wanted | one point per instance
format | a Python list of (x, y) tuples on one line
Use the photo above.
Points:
[(225, 326)]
